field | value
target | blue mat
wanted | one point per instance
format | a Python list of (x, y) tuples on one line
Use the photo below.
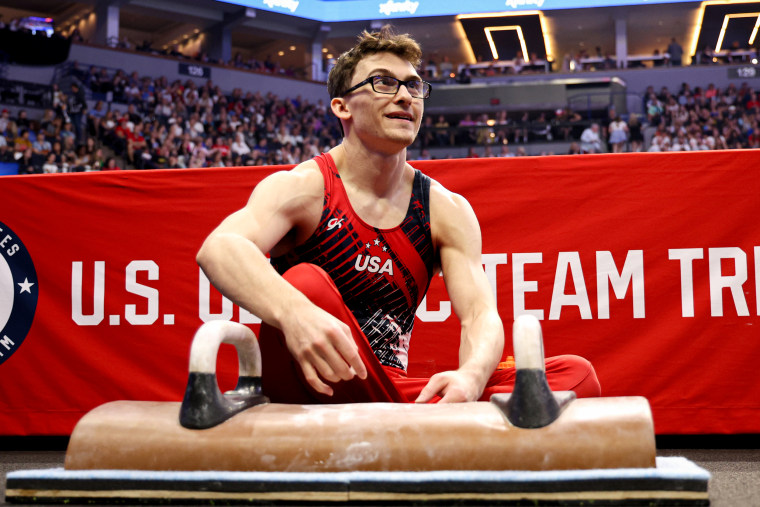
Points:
[(675, 481)]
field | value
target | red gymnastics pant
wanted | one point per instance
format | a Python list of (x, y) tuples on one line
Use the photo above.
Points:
[(283, 381)]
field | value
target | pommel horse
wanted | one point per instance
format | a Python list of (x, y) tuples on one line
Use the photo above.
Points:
[(532, 446), (530, 429)]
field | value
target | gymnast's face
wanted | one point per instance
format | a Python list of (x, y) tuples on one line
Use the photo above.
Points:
[(384, 117)]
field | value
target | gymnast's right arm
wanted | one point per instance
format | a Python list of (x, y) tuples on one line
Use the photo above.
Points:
[(283, 209)]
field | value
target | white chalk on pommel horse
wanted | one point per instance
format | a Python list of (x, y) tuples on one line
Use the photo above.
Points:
[(532, 444)]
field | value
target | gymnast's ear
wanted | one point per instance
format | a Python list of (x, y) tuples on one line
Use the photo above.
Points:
[(340, 108)]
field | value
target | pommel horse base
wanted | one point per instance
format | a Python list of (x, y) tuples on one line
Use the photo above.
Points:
[(529, 447)]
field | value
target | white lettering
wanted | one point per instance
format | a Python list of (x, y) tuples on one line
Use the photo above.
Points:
[(98, 295), (387, 268), (372, 264), (440, 315), (391, 7), (490, 261), (520, 286), (5, 341), (204, 301), (633, 274), (358, 265), (686, 256), (247, 317), (521, 4), (149, 293), (204, 305), (718, 281), (291, 5), (559, 298)]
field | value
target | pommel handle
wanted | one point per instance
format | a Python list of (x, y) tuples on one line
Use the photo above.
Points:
[(532, 404), (204, 405), (528, 343)]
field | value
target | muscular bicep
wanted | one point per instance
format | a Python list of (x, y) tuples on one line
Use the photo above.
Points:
[(459, 242), (280, 206)]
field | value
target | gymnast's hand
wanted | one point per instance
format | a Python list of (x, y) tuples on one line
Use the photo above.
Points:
[(452, 386), (323, 347)]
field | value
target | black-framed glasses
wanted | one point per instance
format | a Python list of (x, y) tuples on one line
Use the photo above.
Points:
[(389, 85)]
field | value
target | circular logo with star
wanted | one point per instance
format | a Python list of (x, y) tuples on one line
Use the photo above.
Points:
[(18, 292)]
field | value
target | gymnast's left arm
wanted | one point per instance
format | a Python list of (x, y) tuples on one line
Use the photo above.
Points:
[(456, 233)]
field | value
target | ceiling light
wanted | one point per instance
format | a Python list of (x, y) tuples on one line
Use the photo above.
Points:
[(701, 17), (495, 14), (727, 17), (516, 28)]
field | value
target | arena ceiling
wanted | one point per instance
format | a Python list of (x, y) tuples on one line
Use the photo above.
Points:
[(259, 33)]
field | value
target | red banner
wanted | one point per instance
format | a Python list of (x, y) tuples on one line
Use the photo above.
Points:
[(646, 264)]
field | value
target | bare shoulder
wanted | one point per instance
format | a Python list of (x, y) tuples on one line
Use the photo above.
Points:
[(286, 207), (302, 182), (444, 202), (441, 195), (452, 217)]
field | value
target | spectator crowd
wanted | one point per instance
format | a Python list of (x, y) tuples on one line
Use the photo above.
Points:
[(687, 119), (164, 125), (703, 119), (153, 123)]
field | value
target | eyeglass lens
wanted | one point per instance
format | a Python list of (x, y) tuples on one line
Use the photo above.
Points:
[(388, 84)]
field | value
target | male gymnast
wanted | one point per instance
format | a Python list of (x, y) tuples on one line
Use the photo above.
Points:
[(355, 235)]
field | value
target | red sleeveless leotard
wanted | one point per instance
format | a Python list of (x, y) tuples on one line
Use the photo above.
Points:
[(382, 274)]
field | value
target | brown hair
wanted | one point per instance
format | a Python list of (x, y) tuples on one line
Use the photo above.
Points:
[(368, 43)]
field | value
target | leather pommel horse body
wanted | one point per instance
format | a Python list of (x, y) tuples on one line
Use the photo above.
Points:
[(530, 429)]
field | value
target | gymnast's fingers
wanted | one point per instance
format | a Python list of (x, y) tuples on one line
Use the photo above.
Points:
[(311, 376), (453, 394), (349, 351), (432, 388), (329, 362)]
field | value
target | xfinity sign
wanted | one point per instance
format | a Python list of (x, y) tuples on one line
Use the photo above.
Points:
[(358, 10), (390, 7)]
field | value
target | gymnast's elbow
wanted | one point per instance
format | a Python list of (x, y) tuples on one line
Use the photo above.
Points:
[(223, 248), (210, 251)]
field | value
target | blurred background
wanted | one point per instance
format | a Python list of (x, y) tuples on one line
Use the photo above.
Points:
[(166, 83)]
